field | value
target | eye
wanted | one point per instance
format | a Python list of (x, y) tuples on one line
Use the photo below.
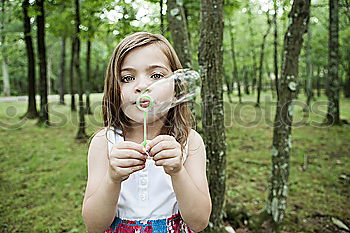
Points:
[(157, 76), (127, 79)]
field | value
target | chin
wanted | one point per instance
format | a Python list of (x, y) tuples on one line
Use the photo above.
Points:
[(137, 118)]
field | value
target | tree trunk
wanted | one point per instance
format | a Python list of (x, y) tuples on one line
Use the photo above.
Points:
[(262, 59), (179, 34), (275, 46), (309, 92), (49, 72), (235, 70), (88, 84), (347, 87), (44, 107), (6, 77), (347, 79), (347, 57), (333, 60), (5, 73), (71, 78), (81, 132), (96, 72), (210, 58), (318, 82), (238, 86), (245, 80), (32, 112), (282, 134), (228, 86), (161, 17), (62, 74), (252, 47), (268, 72)]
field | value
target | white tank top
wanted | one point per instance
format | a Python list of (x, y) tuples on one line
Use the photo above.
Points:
[(147, 194)]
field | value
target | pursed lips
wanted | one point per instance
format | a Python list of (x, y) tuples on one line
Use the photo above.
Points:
[(144, 103)]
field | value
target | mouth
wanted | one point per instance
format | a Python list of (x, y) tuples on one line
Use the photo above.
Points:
[(144, 103)]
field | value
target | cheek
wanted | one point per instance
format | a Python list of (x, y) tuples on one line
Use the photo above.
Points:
[(166, 91), (125, 94)]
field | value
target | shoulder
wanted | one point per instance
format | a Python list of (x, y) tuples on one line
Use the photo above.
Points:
[(195, 142), (99, 138), (194, 137), (98, 151)]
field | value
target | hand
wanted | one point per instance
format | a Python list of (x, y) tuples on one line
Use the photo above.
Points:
[(166, 152), (125, 158)]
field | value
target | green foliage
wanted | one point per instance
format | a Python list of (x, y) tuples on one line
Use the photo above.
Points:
[(106, 22)]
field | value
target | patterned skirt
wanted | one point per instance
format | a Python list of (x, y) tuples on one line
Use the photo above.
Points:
[(174, 224)]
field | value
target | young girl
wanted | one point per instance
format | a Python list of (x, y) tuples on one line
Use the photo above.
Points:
[(126, 192)]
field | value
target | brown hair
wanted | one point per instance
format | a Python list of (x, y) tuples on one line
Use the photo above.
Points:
[(178, 121)]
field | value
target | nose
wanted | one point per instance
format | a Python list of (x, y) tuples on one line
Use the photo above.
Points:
[(141, 85)]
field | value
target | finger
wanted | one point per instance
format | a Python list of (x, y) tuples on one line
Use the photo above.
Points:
[(158, 139), (125, 171), (127, 154), (124, 163), (160, 146), (172, 162), (165, 154), (129, 145)]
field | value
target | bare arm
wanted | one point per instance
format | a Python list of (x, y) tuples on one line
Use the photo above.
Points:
[(191, 186), (101, 195), (105, 174)]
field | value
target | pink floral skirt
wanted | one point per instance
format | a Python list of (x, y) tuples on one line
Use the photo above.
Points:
[(174, 224)]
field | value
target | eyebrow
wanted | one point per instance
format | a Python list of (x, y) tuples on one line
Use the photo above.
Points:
[(148, 68)]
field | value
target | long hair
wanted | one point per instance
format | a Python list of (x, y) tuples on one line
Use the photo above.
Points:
[(178, 121)]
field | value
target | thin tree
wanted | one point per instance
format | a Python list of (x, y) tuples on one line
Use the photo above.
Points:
[(275, 45), (268, 74), (318, 81), (282, 132), (61, 87), (210, 59), (235, 69), (5, 73), (252, 47), (32, 112), (245, 80), (71, 77), (309, 91), (347, 85), (229, 87), (81, 131), (333, 85), (262, 52), (88, 84), (161, 17), (44, 106)]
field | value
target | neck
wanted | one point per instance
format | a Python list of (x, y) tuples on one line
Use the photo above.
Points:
[(136, 134)]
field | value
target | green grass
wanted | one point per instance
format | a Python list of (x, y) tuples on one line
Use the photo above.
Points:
[(322, 189), (43, 170)]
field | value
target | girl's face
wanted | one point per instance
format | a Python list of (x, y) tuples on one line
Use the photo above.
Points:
[(142, 67)]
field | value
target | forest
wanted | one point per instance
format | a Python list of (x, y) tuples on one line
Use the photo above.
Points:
[(273, 107)]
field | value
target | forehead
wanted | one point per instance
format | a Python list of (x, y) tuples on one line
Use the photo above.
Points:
[(142, 57)]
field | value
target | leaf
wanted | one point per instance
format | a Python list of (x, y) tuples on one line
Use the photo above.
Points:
[(73, 230), (340, 224)]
